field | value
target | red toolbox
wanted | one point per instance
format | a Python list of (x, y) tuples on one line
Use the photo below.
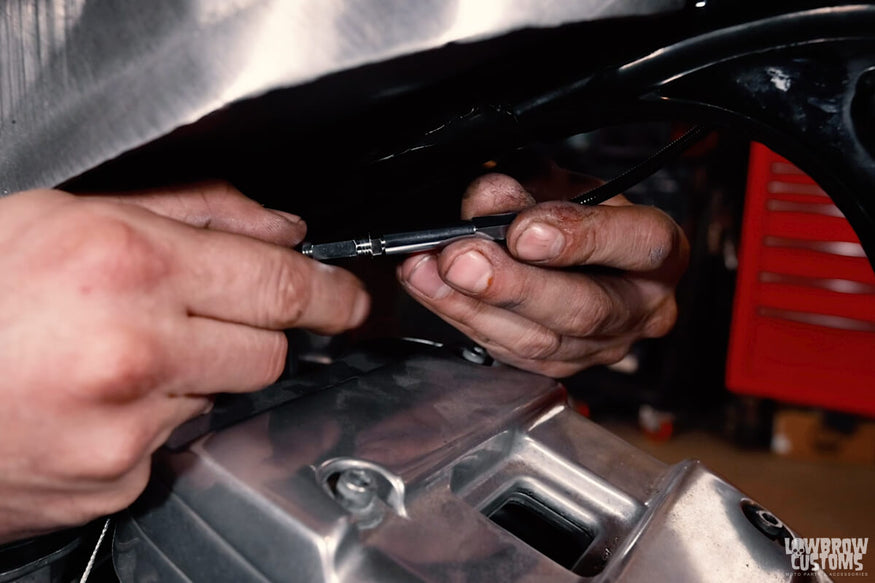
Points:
[(803, 326)]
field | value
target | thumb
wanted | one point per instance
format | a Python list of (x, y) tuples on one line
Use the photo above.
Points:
[(492, 194)]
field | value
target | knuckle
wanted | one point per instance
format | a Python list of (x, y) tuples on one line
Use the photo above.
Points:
[(585, 245), (108, 253), (290, 291), (212, 189), (117, 458), (469, 312), (224, 189), (124, 365), (123, 491), (662, 320), (538, 344), (499, 191), (589, 317), (510, 293), (662, 239), (583, 225)]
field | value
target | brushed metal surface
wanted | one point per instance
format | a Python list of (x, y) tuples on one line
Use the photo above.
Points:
[(82, 81), (444, 442)]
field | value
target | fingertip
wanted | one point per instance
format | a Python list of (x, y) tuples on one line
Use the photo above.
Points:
[(419, 260), (408, 265), (494, 193), (222, 206), (554, 233), (294, 219), (422, 277), (287, 230), (297, 233), (361, 309), (470, 272), (538, 242)]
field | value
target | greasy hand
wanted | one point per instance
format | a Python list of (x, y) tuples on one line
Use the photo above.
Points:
[(120, 316), (526, 310)]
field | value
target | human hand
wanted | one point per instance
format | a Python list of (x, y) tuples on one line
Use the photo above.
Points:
[(526, 311), (118, 323)]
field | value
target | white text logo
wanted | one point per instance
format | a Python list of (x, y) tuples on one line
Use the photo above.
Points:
[(827, 554)]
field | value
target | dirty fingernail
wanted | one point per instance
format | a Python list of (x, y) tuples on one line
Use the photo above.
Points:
[(426, 280), (471, 271), (540, 242)]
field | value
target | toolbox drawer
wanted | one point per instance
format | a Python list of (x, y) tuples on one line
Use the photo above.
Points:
[(803, 326)]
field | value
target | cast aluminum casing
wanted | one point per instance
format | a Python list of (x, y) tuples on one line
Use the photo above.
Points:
[(447, 443)]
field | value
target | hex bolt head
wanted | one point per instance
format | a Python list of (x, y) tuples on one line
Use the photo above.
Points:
[(356, 488), (476, 354), (764, 521)]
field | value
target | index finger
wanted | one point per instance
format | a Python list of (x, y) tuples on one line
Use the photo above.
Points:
[(239, 279), (635, 238), (217, 205)]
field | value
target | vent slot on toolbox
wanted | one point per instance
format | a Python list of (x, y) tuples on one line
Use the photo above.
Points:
[(803, 326)]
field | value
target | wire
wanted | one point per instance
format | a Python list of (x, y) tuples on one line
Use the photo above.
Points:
[(90, 566), (645, 169), (493, 227)]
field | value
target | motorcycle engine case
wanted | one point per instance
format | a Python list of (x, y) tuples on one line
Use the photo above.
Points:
[(457, 465)]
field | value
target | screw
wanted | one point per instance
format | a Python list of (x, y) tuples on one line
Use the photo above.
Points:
[(356, 488), (476, 354), (766, 522)]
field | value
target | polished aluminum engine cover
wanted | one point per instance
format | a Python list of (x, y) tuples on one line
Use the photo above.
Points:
[(431, 468)]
